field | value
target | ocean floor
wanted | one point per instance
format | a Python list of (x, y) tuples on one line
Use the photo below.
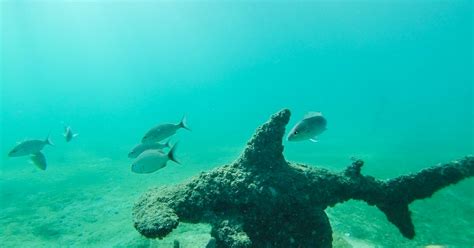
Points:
[(89, 204)]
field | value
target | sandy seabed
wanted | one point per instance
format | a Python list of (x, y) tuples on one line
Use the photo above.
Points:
[(89, 204)]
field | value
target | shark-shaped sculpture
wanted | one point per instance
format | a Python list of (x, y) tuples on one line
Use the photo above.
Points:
[(262, 200)]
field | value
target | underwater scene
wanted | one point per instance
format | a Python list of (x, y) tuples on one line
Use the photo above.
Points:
[(201, 124)]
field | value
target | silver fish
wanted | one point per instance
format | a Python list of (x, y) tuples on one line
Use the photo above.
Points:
[(28, 147), (163, 131), (39, 160), (152, 160), (138, 149), (312, 125), (68, 134)]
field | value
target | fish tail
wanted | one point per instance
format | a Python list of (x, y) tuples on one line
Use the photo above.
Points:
[(49, 141), (184, 124), (171, 155), (39, 160), (65, 128)]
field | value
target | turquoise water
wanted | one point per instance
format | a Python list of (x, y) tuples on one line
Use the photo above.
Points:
[(393, 78)]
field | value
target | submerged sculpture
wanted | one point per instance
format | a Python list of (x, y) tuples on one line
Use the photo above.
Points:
[(261, 200)]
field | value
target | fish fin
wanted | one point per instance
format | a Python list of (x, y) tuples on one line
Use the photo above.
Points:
[(314, 140), (167, 144), (312, 114), (171, 155), (37, 160), (48, 140), (75, 135), (184, 123)]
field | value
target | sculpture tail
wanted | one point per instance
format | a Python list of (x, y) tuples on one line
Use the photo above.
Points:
[(401, 191), (399, 215)]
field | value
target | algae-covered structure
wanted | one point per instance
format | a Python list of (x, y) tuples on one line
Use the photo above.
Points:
[(262, 200)]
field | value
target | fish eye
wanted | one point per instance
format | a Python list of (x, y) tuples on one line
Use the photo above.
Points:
[(296, 132)]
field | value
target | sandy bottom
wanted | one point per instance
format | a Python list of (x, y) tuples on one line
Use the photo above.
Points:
[(90, 204)]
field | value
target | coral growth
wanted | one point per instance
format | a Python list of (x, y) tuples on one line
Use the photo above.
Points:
[(261, 200)]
